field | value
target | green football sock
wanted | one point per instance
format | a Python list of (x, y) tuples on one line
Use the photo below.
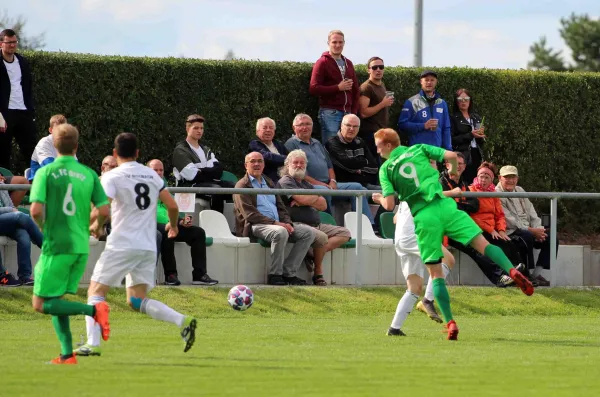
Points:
[(442, 297), (60, 307), (63, 330), (496, 254)]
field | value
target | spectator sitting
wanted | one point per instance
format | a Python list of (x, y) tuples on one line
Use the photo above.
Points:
[(305, 209), (196, 165), (490, 216), (193, 236), (523, 225), (16, 196), (352, 159), (108, 163), (319, 171), (471, 205), (467, 133), (273, 151), (45, 152), (424, 117), (264, 216), (21, 228)]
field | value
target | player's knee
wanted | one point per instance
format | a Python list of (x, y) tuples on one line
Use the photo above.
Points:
[(38, 304)]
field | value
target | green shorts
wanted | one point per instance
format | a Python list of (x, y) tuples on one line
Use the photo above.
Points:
[(442, 218), (56, 275)]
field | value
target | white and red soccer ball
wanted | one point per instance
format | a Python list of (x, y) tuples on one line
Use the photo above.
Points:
[(240, 297)]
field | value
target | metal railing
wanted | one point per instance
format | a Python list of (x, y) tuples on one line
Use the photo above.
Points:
[(553, 196)]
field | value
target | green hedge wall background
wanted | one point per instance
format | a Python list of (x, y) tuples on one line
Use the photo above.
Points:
[(545, 123)]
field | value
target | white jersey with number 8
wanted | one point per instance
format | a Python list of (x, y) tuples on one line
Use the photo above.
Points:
[(134, 190)]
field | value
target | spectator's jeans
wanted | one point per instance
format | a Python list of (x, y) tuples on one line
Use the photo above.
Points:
[(193, 236), (21, 228), (349, 186), (526, 242), (492, 271), (278, 236), (330, 120)]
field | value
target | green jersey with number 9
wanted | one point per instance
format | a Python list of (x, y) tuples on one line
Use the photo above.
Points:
[(67, 188), (407, 172)]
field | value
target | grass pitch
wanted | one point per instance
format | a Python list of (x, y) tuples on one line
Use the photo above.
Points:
[(317, 342)]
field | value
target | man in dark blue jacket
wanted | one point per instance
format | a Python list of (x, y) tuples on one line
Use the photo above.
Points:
[(424, 117), (273, 152), (16, 100)]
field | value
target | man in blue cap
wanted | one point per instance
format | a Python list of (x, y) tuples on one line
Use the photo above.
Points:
[(424, 117)]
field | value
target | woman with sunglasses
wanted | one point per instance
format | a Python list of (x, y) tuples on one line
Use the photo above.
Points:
[(468, 133)]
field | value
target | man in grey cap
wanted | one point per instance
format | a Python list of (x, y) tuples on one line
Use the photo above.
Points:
[(524, 226), (424, 117)]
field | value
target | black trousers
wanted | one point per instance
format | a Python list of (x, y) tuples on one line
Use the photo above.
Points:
[(509, 248), (193, 236), (492, 271), (21, 126), (217, 201), (526, 242)]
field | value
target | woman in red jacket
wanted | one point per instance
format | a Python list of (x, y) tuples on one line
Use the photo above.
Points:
[(490, 216)]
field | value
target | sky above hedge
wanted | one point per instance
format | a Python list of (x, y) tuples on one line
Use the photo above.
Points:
[(483, 33)]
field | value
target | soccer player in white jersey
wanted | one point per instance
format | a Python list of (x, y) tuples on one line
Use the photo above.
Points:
[(405, 242), (133, 190)]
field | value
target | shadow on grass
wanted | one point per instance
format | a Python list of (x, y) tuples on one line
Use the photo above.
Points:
[(552, 342), (568, 296)]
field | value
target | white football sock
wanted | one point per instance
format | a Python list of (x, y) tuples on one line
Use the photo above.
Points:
[(159, 311), (538, 271), (429, 290), (93, 328), (405, 306)]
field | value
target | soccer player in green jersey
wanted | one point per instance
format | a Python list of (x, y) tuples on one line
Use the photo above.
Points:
[(408, 173), (61, 197)]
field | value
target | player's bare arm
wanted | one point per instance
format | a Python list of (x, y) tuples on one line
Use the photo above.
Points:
[(37, 213), (386, 202), (102, 214), (452, 158)]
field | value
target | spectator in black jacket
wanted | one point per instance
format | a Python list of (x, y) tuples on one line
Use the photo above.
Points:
[(352, 160), (274, 152), (471, 205), (196, 165), (16, 100), (467, 133)]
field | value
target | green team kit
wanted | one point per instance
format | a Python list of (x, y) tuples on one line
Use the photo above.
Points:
[(408, 173)]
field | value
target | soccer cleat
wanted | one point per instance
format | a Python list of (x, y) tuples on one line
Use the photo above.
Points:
[(8, 280), (395, 332), (188, 332), (101, 317), (522, 282), (60, 360), (452, 329), (87, 350), (426, 306)]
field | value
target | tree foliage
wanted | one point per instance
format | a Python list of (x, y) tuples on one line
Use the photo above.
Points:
[(18, 25)]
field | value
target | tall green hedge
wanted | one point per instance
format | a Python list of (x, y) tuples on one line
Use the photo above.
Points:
[(543, 122)]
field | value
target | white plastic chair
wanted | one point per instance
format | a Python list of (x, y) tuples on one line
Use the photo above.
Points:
[(28, 173), (368, 235), (216, 226)]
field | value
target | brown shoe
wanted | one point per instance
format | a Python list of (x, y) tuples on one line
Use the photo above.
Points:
[(542, 282)]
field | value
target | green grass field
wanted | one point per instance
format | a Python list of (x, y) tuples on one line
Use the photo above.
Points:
[(317, 342)]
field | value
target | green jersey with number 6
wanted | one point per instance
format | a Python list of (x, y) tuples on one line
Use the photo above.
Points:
[(67, 188), (407, 172)]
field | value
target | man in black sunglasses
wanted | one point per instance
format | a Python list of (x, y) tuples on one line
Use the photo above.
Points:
[(374, 103)]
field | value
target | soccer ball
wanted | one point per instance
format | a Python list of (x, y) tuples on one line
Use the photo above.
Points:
[(240, 297)]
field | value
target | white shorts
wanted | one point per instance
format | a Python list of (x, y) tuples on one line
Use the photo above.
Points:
[(114, 264), (405, 242)]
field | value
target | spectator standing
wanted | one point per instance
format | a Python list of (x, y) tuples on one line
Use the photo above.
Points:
[(351, 157), (319, 169), (334, 81), (193, 236), (16, 100), (264, 216), (424, 116), (468, 133), (196, 165), (273, 151), (45, 152), (374, 103), (524, 226)]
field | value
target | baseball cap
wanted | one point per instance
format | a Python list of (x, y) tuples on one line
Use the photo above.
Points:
[(509, 170), (426, 73)]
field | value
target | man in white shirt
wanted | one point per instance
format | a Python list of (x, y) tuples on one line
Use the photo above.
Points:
[(16, 100), (133, 190)]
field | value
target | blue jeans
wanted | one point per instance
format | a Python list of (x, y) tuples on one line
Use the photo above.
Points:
[(21, 228), (330, 120), (349, 186)]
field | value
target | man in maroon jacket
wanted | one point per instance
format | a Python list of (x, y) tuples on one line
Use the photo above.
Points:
[(334, 81)]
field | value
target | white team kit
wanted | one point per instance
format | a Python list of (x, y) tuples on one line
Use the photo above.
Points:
[(131, 246), (405, 242)]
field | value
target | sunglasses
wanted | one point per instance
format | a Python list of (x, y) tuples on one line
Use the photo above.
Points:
[(463, 99), (375, 67)]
